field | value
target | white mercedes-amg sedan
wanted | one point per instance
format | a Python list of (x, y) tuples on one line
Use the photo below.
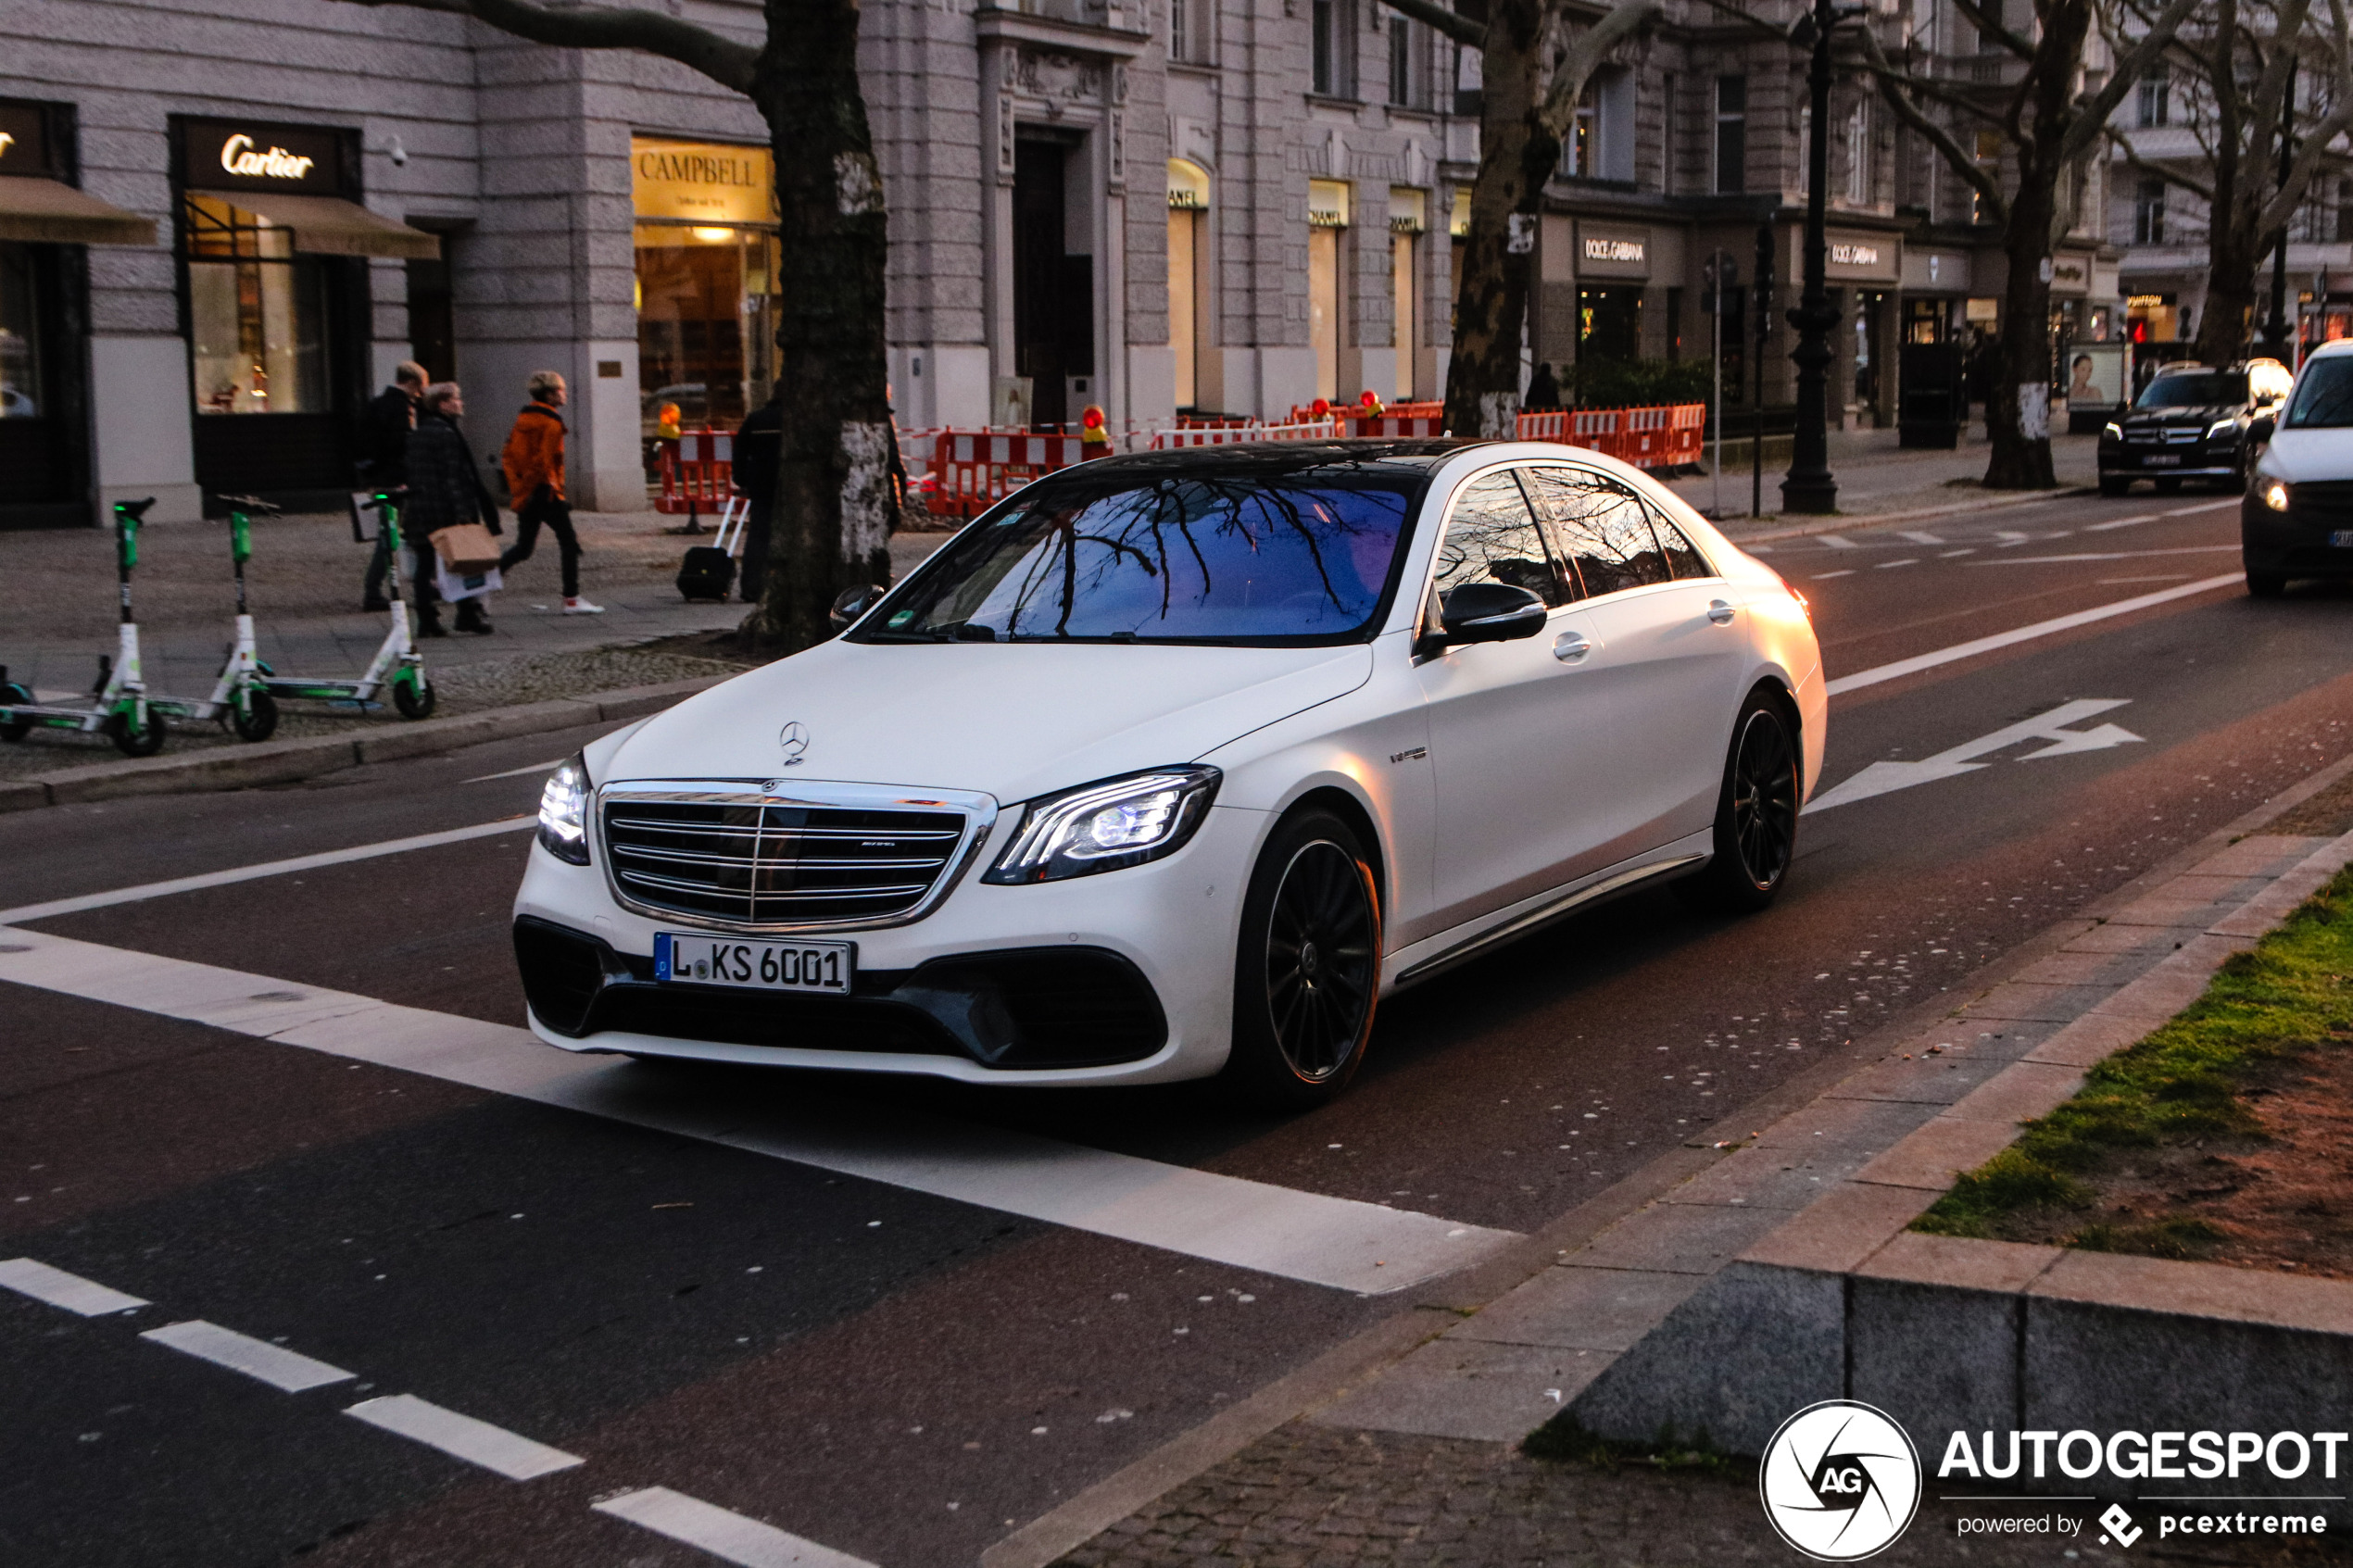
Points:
[(1172, 765)]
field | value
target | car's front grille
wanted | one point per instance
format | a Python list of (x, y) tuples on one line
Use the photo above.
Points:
[(755, 861)]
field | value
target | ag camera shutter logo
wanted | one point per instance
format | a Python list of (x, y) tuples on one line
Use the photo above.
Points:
[(1840, 1481)]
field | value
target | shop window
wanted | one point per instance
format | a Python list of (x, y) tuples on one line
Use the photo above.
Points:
[(2149, 212), (1188, 207), (1609, 323), (24, 389), (1731, 134), (1408, 216), (707, 286), (1328, 214), (257, 315)]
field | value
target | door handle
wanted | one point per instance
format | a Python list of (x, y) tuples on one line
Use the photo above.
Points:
[(1719, 612), (1570, 646)]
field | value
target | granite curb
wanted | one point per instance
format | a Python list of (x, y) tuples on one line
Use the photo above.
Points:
[(1945, 1333), (281, 761)]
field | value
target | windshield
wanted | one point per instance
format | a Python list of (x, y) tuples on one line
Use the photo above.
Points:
[(2323, 397), (2197, 390), (1255, 558)]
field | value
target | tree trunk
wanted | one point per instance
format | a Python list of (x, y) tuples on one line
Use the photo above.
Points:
[(2017, 416), (1517, 156), (830, 527), (2234, 263)]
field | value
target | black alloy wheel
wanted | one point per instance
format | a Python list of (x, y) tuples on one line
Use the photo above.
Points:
[(1756, 814), (1307, 973)]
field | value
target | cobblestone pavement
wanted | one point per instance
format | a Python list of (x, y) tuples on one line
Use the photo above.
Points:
[(1316, 1497)]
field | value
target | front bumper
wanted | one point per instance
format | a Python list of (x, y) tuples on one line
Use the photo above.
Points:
[(1122, 977), (2205, 460), (2295, 543)]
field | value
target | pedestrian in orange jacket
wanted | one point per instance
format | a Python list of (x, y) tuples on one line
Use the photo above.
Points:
[(533, 458)]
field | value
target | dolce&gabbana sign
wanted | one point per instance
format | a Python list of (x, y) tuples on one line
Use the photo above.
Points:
[(1612, 253), (217, 155), (1866, 257)]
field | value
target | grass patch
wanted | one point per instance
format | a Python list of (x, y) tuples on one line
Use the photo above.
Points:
[(2185, 1086)]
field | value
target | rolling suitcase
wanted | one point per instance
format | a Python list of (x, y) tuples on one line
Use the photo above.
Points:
[(708, 570)]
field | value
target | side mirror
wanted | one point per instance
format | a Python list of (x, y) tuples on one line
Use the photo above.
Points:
[(1491, 612), (851, 602)]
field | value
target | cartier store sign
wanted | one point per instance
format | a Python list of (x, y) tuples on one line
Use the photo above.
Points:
[(225, 155)]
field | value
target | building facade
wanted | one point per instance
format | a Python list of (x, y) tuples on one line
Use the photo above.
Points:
[(239, 221)]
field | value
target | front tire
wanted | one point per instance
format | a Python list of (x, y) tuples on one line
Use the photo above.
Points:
[(415, 699), (258, 719), (2114, 486), (1756, 814), (135, 741), (11, 694), (2265, 585), (1307, 971)]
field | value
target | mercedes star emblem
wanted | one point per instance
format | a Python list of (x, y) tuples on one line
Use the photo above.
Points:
[(794, 739)]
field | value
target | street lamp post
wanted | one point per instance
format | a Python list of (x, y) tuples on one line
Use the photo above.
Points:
[(2275, 331), (1809, 486)]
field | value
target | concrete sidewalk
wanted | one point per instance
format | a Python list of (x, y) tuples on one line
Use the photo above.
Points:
[(1876, 477)]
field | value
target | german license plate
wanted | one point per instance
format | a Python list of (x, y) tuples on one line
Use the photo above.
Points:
[(2341, 539), (2162, 460), (757, 966)]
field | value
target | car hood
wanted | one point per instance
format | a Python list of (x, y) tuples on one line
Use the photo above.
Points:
[(1015, 721), (2298, 456)]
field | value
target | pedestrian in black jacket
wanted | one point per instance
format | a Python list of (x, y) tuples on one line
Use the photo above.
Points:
[(385, 425), (445, 489), (758, 453)]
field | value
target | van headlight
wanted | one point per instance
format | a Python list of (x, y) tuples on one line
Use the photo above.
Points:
[(563, 813), (2275, 495), (1101, 827)]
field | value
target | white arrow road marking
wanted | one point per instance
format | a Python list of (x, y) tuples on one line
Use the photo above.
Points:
[(1883, 778), (728, 1535)]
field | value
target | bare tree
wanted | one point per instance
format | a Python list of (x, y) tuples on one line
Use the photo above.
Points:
[(2240, 96), (834, 496), (1533, 67), (2047, 123)]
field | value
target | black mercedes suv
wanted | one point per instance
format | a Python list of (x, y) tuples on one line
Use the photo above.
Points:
[(2193, 424)]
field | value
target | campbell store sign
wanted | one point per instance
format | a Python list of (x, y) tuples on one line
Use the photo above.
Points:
[(223, 155), (702, 182)]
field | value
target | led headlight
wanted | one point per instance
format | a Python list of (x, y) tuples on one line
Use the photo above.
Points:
[(563, 813), (2221, 427), (2112, 432), (1103, 827), (2275, 495)]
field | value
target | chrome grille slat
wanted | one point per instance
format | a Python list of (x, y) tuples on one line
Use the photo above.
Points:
[(754, 861)]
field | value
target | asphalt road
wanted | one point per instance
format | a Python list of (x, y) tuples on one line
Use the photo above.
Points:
[(871, 1362)]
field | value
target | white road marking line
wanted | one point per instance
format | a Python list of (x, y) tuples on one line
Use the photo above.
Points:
[(27, 1276), (728, 1535), (1836, 542), (2203, 507), (2110, 555), (1949, 555), (517, 773), (462, 1436), (267, 868), (1919, 536), (1919, 662), (2120, 522), (1758, 549), (2153, 577), (1880, 778), (273, 1364), (2010, 536), (1907, 561), (1309, 1236), (1826, 576)]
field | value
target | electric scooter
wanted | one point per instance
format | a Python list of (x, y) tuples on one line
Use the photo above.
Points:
[(397, 664), (239, 698), (118, 707)]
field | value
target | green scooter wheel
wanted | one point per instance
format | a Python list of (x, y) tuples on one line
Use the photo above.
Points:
[(135, 741), (258, 718), (15, 729), (414, 700)]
